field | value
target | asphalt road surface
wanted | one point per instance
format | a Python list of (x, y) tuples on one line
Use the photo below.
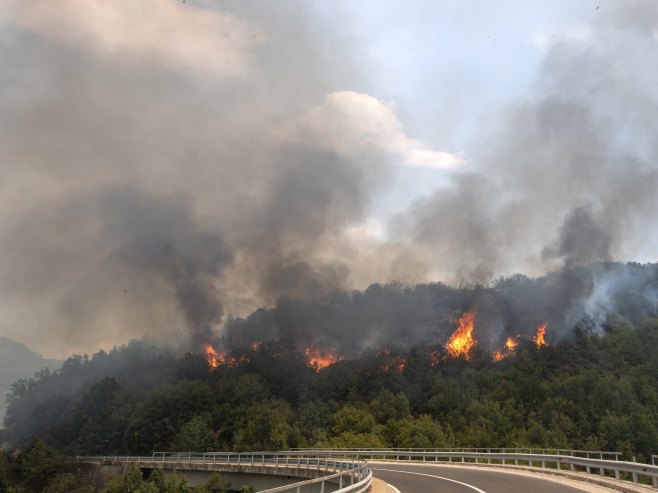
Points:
[(446, 479)]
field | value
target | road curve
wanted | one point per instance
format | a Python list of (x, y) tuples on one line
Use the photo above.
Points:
[(417, 478)]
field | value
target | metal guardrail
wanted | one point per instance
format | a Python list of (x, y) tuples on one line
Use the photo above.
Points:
[(593, 454), (624, 470), (351, 476)]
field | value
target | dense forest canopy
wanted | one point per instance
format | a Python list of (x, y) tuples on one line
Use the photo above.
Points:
[(594, 386)]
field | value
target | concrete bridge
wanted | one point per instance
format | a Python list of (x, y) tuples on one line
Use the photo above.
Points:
[(407, 470)]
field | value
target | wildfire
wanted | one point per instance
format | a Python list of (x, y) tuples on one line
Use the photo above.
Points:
[(213, 357), (320, 359), (510, 347), (395, 362), (216, 358), (399, 364), (540, 336), (461, 342)]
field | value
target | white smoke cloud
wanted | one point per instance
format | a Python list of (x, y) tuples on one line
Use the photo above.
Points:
[(355, 124), (174, 33)]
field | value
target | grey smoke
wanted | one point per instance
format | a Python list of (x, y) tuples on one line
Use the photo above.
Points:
[(582, 239), (141, 200)]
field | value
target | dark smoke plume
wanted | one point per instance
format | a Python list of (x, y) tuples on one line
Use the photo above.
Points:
[(152, 187)]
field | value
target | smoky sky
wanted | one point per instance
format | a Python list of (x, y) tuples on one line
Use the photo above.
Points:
[(154, 188)]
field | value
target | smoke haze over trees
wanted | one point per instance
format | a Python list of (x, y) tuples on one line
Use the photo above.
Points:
[(16, 362), (152, 187), (595, 392)]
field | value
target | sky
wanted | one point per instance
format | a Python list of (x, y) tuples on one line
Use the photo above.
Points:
[(168, 164)]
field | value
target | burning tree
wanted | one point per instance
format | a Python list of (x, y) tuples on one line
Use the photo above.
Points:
[(461, 341)]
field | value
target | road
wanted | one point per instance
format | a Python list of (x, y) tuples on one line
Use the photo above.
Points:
[(449, 479)]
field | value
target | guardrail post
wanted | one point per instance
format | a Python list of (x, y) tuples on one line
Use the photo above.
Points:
[(322, 487), (655, 481), (617, 474), (635, 477)]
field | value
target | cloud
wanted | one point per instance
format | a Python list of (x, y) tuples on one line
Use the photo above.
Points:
[(356, 124), (577, 34), (174, 33)]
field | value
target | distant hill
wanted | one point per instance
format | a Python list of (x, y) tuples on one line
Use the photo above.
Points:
[(18, 361)]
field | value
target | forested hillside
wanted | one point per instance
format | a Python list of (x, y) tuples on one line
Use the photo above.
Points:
[(594, 391), (18, 361)]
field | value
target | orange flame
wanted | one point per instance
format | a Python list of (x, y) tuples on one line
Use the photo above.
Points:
[(510, 347), (540, 336), (213, 357), (320, 359), (461, 341), (511, 344)]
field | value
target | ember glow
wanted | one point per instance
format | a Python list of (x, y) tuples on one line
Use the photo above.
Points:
[(392, 362), (540, 336), (320, 359), (510, 347), (461, 342)]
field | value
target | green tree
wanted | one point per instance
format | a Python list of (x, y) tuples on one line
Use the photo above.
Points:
[(38, 464), (175, 483), (129, 482), (195, 436), (67, 483), (422, 432), (390, 406), (266, 426), (215, 484), (353, 419)]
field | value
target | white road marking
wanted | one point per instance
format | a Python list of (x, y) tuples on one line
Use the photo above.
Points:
[(395, 490), (475, 488)]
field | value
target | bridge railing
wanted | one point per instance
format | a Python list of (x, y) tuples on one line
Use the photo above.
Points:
[(624, 470), (593, 454), (351, 475)]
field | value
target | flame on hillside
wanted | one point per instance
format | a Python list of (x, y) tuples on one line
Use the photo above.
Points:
[(540, 335), (461, 341), (217, 358), (214, 357), (320, 359), (510, 348), (393, 362)]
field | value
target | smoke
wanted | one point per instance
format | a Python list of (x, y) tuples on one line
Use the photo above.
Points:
[(568, 177), (158, 186), (582, 239), (402, 317)]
